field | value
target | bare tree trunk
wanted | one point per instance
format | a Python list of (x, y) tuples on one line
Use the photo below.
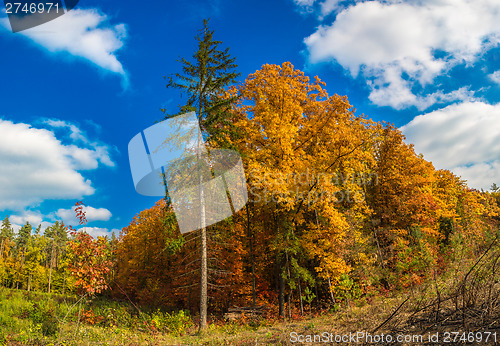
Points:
[(381, 259), (289, 303), (331, 289), (51, 265), (281, 294), (50, 278), (300, 299), (252, 258), (203, 280), (203, 268), (317, 294), (290, 293)]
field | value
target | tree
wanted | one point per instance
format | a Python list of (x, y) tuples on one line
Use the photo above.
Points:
[(204, 80), (23, 236), (22, 239), (6, 243), (91, 262), (6, 234), (494, 187), (338, 205), (57, 237), (300, 146), (34, 272)]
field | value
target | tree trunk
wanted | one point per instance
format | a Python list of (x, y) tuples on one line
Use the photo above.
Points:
[(381, 259), (290, 293), (300, 299), (50, 278), (51, 265), (331, 289), (203, 268), (281, 295), (203, 280), (289, 303), (252, 257)]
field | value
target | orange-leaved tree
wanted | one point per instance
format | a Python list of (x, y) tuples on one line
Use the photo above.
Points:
[(302, 149), (91, 264)]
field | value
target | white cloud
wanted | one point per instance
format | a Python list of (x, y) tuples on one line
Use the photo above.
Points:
[(68, 216), (400, 45), (325, 8), (96, 231), (304, 2), (75, 132), (495, 77), (464, 138), (34, 218), (329, 6), (84, 33), (35, 166), (83, 158)]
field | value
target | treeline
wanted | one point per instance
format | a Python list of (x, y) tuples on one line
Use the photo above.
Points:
[(55, 261), (340, 207)]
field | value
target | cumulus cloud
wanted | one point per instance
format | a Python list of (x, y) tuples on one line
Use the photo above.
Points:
[(36, 165), (495, 77), (97, 231), (464, 138), (324, 8), (85, 33), (304, 2), (400, 45), (34, 218), (83, 158), (91, 214)]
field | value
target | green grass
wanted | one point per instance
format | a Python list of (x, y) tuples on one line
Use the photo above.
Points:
[(43, 319)]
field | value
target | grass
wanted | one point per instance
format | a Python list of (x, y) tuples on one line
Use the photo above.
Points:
[(30, 318), (43, 319)]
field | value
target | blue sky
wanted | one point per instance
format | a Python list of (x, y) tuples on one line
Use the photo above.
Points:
[(75, 90)]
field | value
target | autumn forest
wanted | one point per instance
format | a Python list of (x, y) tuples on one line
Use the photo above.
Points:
[(341, 209)]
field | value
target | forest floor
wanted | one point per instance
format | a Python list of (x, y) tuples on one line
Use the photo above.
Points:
[(24, 316), (458, 306), (407, 319)]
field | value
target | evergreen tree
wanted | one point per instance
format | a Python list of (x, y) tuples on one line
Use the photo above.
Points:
[(23, 236), (57, 237), (6, 232), (205, 80)]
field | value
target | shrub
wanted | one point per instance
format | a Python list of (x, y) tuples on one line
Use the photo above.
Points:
[(174, 323)]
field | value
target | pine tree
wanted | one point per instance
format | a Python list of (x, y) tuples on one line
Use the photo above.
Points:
[(6, 231), (205, 80), (23, 236), (6, 234)]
